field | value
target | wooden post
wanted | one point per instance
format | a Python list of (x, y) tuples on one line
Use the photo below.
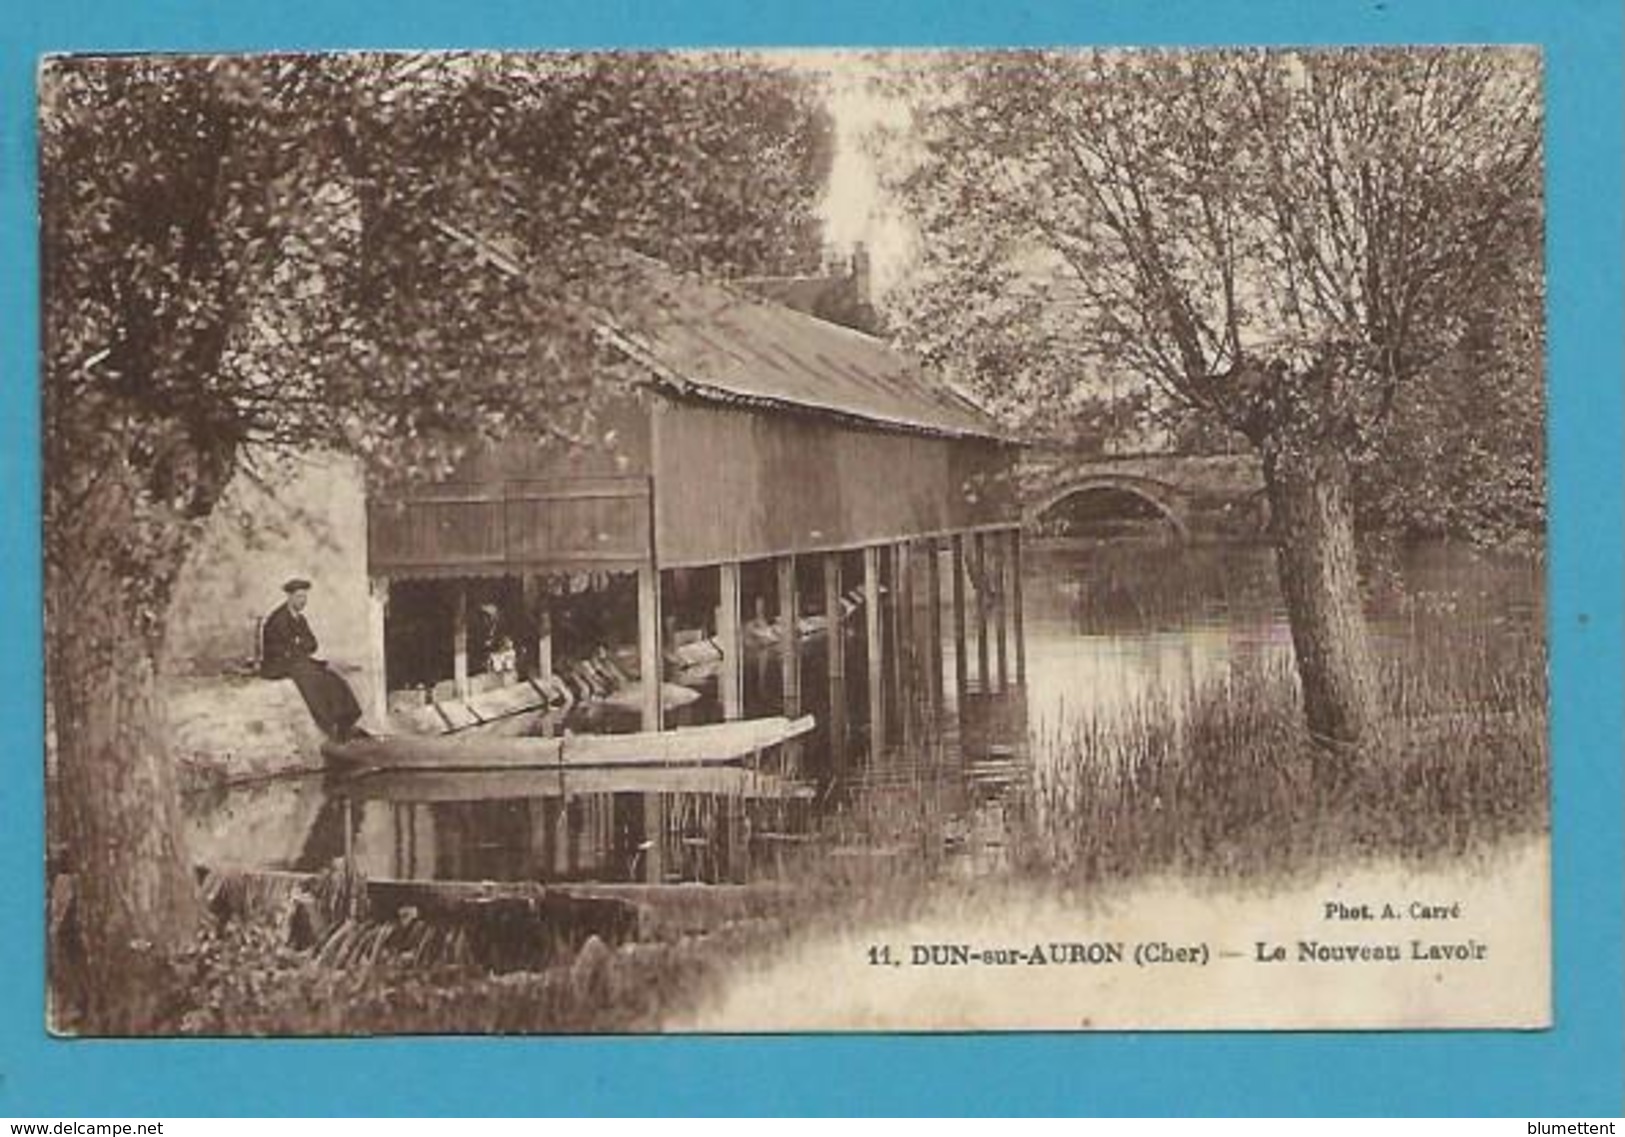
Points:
[(397, 825), (649, 644), (789, 617), (541, 623), (654, 836), (733, 839), (559, 854), (377, 663), (349, 835), (422, 841), (730, 636), (835, 661), (933, 627), (983, 671), (459, 640), (600, 841), (544, 642), (654, 813), (903, 638), (1001, 614), (893, 630), (1015, 607), (539, 844), (961, 656), (834, 618), (411, 840), (876, 652)]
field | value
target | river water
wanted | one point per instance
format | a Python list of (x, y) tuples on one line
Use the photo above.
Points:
[(1109, 627)]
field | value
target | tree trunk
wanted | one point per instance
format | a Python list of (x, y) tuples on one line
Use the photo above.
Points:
[(1313, 523), (115, 809)]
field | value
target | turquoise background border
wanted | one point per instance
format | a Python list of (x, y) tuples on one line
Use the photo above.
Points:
[(1575, 1069)]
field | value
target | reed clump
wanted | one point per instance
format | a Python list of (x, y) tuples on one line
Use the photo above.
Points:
[(1230, 784)]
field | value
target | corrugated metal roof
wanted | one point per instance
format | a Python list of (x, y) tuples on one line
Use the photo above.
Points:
[(711, 341)]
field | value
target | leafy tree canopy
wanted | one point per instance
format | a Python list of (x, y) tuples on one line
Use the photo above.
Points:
[(1306, 249), (379, 254)]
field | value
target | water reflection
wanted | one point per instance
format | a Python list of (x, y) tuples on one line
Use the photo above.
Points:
[(1112, 626), (559, 826)]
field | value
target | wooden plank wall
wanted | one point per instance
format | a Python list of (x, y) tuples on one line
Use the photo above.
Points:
[(512, 527), (735, 485), (531, 502), (730, 485), (444, 525)]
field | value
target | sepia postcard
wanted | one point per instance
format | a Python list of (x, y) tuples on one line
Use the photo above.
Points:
[(778, 541)]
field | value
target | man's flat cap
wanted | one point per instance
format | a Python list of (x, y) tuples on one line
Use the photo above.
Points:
[(296, 584)]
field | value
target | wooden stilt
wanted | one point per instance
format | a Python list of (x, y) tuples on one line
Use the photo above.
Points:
[(790, 640), (961, 656), (654, 837), (834, 618), (398, 845), (544, 643), (578, 819), (423, 841), (649, 644), (893, 633), (979, 563), (876, 652), (835, 663), (559, 855), (1001, 607), (412, 811), (597, 826), (932, 648), (539, 849), (1015, 607), (541, 624), (734, 841), (349, 835), (459, 640), (377, 663), (789, 618), (730, 636), (903, 622), (649, 669)]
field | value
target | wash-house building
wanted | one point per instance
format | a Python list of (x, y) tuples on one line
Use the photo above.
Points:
[(778, 516)]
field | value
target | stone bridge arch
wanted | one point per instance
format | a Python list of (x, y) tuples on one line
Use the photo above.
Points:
[(1218, 493), (1171, 502)]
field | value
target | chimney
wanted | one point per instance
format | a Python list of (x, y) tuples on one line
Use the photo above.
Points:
[(860, 272), (829, 259)]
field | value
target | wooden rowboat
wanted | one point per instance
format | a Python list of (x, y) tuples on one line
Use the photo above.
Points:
[(718, 744)]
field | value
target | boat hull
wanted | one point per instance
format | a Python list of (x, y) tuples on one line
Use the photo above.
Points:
[(715, 744)]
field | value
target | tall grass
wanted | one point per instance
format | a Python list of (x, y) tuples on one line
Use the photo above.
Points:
[(1230, 784)]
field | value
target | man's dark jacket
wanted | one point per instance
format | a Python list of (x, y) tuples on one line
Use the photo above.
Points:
[(287, 651)]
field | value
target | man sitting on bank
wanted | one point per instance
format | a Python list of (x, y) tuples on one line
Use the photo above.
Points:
[(288, 651)]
